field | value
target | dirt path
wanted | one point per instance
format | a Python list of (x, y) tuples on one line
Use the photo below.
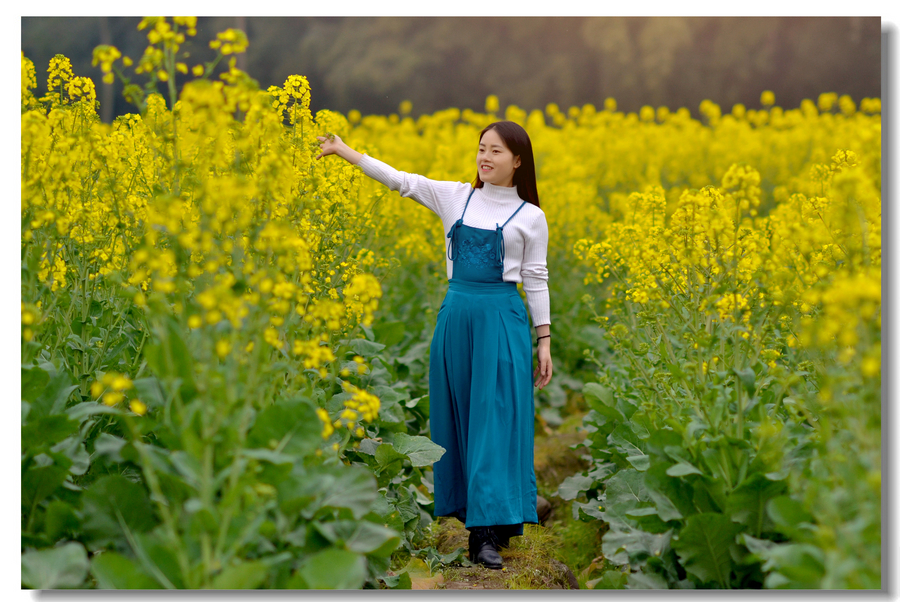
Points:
[(527, 564), (533, 561)]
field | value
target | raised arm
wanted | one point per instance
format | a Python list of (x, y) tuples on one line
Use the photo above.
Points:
[(437, 195), (333, 145)]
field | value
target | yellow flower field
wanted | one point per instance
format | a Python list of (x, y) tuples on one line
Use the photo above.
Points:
[(190, 268)]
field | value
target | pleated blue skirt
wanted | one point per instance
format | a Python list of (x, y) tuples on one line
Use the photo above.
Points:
[(482, 407)]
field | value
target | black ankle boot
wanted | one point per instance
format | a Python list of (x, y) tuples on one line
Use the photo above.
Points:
[(483, 546), (503, 533)]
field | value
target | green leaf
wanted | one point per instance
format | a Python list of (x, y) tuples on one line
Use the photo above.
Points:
[(109, 446), (406, 506), (168, 356), (626, 442), (574, 485), (268, 455), (353, 488), (52, 397), (703, 547), (592, 508), (681, 469), (45, 432), (677, 453), (758, 548), (73, 449), (297, 487), (794, 566), (433, 556), (647, 580), (634, 546), (150, 391), (365, 348), (592, 337), (114, 571), (201, 519), (421, 451), (332, 569), (401, 581), (788, 514), (188, 467), (158, 558), (720, 467), (39, 482), (600, 400), (414, 354), (34, 381), (640, 462), (80, 411), (289, 425), (747, 503), (596, 393), (390, 333), (670, 495), (246, 575), (660, 441), (362, 537), (747, 377), (625, 490), (390, 410), (111, 502), (609, 580), (65, 566), (60, 520), (368, 447), (642, 511), (600, 471), (390, 461)]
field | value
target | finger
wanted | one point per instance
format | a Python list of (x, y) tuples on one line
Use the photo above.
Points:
[(546, 372)]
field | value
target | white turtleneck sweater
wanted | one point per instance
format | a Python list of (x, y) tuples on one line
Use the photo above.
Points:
[(524, 237)]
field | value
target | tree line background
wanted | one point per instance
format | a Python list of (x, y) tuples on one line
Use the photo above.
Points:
[(373, 63)]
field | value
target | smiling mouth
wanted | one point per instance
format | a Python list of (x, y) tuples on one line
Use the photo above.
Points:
[(486, 168)]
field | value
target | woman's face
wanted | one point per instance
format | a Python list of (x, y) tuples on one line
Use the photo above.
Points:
[(496, 163)]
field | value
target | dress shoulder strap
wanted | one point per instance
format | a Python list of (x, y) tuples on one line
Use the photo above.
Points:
[(451, 246), (500, 246), (513, 215), (467, 204)]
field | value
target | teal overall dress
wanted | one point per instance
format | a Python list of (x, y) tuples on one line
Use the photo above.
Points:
[(482, 389)]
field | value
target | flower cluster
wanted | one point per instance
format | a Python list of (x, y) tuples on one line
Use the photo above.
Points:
[(113, 386), (362, 406), (210, 209)]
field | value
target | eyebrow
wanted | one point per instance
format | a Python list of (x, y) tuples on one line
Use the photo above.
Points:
[(492, 146)]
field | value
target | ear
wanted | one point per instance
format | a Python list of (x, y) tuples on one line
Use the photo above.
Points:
[(518, 162)]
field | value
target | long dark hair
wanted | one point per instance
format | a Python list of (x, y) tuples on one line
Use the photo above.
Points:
[(516, 139)]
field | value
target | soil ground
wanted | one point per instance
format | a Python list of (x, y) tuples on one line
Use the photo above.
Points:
[(561, 553)]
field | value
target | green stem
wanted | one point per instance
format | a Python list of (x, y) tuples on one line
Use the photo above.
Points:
[(161, 502)]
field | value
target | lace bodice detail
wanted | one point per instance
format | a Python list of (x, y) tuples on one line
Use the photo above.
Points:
[(476, 255)]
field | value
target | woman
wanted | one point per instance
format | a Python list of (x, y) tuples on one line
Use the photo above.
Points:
[(480, 378)]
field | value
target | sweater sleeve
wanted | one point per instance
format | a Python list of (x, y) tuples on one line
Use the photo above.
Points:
[(427, 192), (534, 272)]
